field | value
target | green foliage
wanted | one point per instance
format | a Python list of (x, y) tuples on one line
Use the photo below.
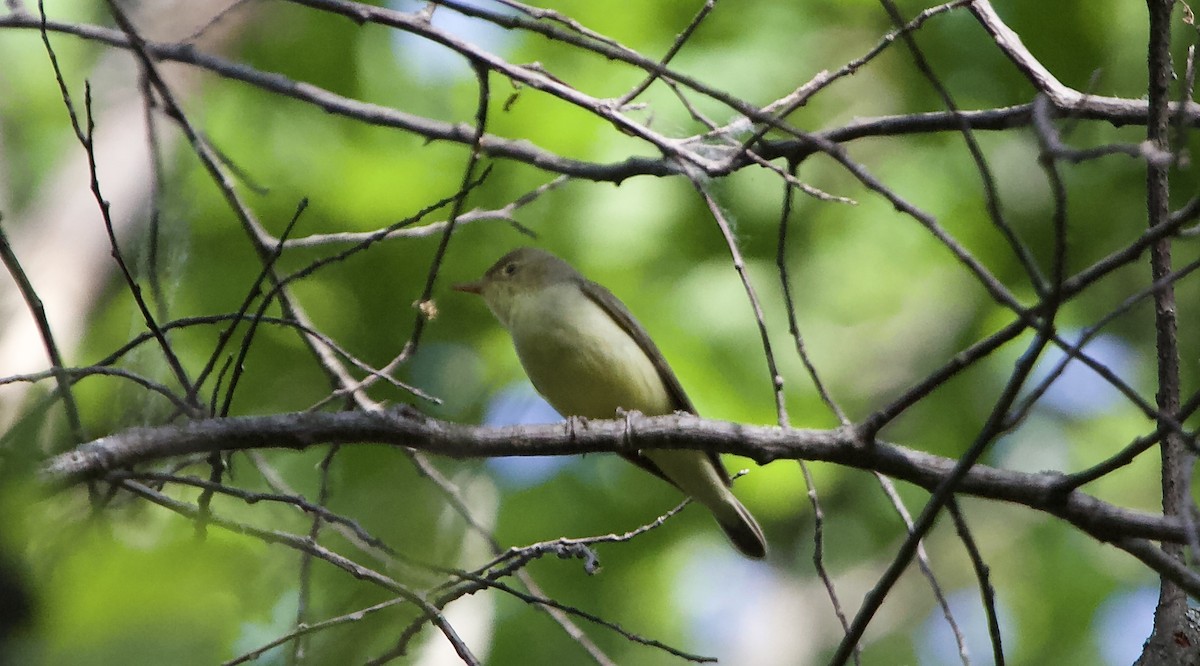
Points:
[(880, 302)]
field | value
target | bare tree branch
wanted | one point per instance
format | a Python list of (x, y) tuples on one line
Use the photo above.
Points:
[(991, 251), (404, 427)]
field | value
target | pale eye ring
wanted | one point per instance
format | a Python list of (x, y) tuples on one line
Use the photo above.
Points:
[(509, 269)]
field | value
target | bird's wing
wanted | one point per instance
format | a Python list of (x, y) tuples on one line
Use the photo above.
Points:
[(679, 399)]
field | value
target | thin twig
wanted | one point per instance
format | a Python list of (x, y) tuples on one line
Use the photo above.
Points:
[(38, 311), (983, 575), (942, 494), (889, 489), (85, 134), (303, 544), (739, 265), (680, 40), (991, 196)]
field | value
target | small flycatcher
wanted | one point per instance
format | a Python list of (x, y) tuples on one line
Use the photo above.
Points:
[(588, 356)]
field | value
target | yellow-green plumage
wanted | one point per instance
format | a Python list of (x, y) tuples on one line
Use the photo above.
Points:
[(588, 356), (570, 348)]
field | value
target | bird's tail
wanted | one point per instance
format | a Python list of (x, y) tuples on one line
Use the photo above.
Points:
[(741, 528), (700, 475)]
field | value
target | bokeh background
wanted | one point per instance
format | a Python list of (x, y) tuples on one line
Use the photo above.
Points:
[(880, 303)]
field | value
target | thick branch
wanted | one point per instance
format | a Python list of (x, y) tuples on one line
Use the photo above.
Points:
[(1170, 616), (407, 428)]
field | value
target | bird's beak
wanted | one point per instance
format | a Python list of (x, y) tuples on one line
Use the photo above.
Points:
[(475, 287)]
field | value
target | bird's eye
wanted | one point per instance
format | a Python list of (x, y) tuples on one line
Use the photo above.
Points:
[(509, 269)]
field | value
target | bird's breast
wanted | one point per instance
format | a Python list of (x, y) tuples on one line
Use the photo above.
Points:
[(581, 360)]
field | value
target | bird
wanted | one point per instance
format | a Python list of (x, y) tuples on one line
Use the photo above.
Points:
[(588, 356)]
